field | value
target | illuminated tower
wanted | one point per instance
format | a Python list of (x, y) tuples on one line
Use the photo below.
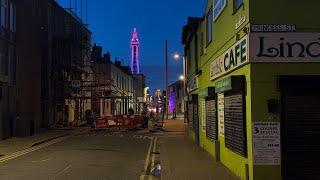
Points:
[(135, 66)]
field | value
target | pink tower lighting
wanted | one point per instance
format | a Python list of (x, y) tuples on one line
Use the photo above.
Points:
[(135, 66)]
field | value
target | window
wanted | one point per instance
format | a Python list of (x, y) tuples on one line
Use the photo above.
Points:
[(12, 19), (218, 6), (237, 4), (209, 26), (4, 13), (201, 43)]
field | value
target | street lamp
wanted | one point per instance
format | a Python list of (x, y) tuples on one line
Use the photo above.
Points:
[(181, 77)]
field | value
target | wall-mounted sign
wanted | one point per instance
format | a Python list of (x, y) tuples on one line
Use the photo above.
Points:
[(273, 28), (233, 58), (221, 114), (193, 84), (285, 47), (266, 143), (241, 20), (224, 85)]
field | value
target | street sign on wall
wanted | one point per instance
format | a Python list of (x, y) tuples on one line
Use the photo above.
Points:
[(273, 28)]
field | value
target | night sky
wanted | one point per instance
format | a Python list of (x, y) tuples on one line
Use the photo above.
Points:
[(112, 21)]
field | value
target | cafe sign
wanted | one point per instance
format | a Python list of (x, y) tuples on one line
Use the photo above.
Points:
[(233, 58), (285, 47)]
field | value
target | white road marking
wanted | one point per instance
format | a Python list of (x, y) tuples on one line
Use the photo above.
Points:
[(145, 168), (153, 155)]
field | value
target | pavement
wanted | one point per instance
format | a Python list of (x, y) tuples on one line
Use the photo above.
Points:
[(181, 159)]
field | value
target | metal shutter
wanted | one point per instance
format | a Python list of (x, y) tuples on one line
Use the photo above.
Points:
[(195, 118), (235, 129), (301, 137), (211, 122), (190, 115)]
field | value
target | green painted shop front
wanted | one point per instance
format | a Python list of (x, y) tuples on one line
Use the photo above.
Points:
[(245, 111)]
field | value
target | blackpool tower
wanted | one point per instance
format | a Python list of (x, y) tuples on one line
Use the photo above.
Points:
[(135, 66)]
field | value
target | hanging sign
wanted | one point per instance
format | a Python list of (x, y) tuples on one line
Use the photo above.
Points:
[(266, 143), (233, 58)]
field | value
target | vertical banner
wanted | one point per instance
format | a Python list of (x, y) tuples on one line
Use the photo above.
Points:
[(221, 114)]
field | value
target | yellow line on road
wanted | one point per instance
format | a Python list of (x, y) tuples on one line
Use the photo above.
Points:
[(29, 150), (145, 168)]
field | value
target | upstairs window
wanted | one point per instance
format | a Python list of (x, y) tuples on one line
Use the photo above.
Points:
[(209, 18), (237, 4), (201, 43), (12, 17), (4, 13), (218, 6)]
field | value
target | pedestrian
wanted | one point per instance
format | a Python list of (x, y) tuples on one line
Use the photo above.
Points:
[(174, 114), (90, 119)]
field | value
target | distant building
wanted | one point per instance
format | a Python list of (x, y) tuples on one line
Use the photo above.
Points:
[(176, 98), (135, 66), (113, 86), (8, 69)]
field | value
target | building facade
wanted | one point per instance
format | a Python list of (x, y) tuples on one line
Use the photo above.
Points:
[(176, 97), (253, 78), (113, 86), (8, 88)]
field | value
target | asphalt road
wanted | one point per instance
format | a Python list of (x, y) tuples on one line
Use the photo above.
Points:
[(91, 156)]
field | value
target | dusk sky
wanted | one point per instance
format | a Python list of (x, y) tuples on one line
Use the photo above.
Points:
[(112, 21)]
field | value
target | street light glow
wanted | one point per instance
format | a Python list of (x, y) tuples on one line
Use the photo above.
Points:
[(182, 78), (176, 56)]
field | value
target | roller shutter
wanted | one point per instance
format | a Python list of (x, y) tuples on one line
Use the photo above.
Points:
[(301, 137), (235, 123), (211, 122)]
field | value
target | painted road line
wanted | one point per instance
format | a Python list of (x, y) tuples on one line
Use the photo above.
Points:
[(146, 163), (153, 156), (29, 150)]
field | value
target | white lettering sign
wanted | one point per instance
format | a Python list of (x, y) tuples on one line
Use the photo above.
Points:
[(273, 28), (221, 114), (266, 143), (233, 58)]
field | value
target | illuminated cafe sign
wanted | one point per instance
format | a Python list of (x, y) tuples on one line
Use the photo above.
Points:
[(285, 47), (273, 28), (233, 58)]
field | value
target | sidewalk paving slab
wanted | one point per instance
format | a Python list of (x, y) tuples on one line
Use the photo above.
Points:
[(181, 159)]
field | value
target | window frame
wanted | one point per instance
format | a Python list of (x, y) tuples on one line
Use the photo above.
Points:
[(220, 11), (235, 7), (209, 24)]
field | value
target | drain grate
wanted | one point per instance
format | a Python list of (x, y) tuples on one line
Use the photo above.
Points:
[(1, 155)]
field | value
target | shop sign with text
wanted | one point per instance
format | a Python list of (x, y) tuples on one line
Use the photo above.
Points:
[(193, 84), (285, 47), (233, 58)]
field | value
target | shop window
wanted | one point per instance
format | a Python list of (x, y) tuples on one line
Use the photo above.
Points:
[(235, 123), (218, 6), (209, 21), (211, 116), (237, 4)]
